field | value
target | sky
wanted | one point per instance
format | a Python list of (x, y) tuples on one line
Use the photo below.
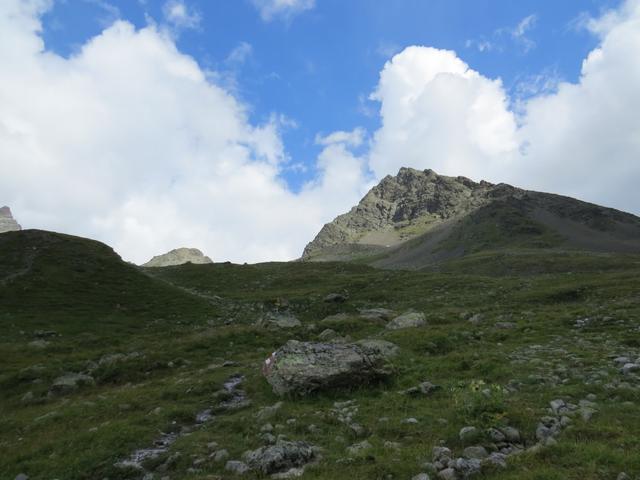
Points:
[(240, 127)]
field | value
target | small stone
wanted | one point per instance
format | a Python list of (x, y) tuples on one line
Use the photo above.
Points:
[(623, 476), (496, 435), (407, 320), (468, 434), (420, 476), (440, 453), (630, 368), (505, 325), (410, 421), (358, 449), (496, 459), (266, 413), (448, 474), (236, 467), (220, 455), (336, 298), (467, 467), (511, 434), (22, 476), (478, 452), (558, 406)]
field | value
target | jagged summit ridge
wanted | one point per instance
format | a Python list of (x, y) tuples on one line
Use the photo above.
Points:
[(400, 207), (419, 218), (7, 222), (179, 256)]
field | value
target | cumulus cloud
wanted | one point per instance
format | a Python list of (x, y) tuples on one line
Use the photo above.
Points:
[(180, 15), (584, 139), (283, 9), (580, 139), (129, 142), (438, 113)]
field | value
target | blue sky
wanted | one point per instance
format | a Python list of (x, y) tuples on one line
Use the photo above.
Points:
[(240, 127), (318, 67)]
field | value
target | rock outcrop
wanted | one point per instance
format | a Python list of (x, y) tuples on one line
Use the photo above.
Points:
[(7, 222), (300, 368), (179, 256)]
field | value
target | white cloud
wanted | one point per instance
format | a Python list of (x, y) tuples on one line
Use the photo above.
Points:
[(500, 38), (584, 140), (581, 139), (438, 113), (178, 14), (353, 138), (240, 54), (130, 143), (284, 9)]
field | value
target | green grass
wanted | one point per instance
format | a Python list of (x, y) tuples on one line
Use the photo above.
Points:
[(185, 322)]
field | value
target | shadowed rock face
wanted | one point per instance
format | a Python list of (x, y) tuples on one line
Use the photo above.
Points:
[(178, 256), (418, 218), (7, 222)]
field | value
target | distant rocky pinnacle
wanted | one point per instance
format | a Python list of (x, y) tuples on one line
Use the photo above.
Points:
[(179, 256), (7, 223)]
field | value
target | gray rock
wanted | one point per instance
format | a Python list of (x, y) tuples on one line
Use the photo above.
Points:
[(407, 320), (39, 344), (476, 451), (379, 347), (179, 256), (382, 314), (22, 476), (266, 413), (468, 434), (70, 382), (359, 449), (236, 467), (280, 457), (496, 459), (512, 435), (420, 476), (219, 455), (558, 406), (448, 474), (496, 435), (327, 335), (276, 320), (623, 476), (630, 368), (335, 298), (301, 368), (467, 467), (505, 325), (438, 454)]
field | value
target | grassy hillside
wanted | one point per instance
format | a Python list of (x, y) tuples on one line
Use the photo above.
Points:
[(526, 335)]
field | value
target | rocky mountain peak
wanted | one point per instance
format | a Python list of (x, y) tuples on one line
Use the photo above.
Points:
[(179, 256), (400, 207), (7, 222)]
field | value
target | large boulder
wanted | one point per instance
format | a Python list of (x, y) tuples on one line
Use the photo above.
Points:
[(300, 368), (280, 457), (277, 320)]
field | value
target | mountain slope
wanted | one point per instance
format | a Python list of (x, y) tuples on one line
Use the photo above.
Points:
[(59, 274), (419, 218)]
